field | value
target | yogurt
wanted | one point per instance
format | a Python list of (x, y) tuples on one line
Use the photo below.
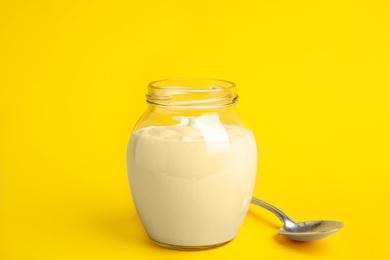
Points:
[(192, 182)]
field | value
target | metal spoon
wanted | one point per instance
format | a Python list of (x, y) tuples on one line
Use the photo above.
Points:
[(301, 231)]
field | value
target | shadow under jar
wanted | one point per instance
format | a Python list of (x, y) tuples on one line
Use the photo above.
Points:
[(191, 164)]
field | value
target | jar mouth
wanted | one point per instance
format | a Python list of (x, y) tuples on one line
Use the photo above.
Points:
[(192, 93), (193, 84)]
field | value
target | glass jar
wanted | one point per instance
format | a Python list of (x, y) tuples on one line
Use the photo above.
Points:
[(191, 164)]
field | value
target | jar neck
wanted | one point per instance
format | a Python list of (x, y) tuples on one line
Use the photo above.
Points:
[(192, 93)]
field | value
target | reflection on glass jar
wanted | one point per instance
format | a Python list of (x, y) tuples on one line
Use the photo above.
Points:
[(191, 164)]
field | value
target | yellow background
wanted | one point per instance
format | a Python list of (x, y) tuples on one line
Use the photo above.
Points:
[(313, 79)]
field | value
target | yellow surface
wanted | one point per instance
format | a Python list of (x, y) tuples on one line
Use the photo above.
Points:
[(313, 79)]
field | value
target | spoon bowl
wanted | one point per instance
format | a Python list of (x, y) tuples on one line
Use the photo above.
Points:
[(301, 231), (311, 230)]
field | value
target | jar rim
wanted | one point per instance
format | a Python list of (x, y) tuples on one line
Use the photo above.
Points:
[(192, 93), (228, 84)]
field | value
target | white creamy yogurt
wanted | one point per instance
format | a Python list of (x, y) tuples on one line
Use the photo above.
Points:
[(192, 183)]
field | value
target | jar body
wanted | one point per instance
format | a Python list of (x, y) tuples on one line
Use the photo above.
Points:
[(191, 174)]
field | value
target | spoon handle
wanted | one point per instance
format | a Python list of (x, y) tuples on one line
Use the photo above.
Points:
[(287, 221)]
